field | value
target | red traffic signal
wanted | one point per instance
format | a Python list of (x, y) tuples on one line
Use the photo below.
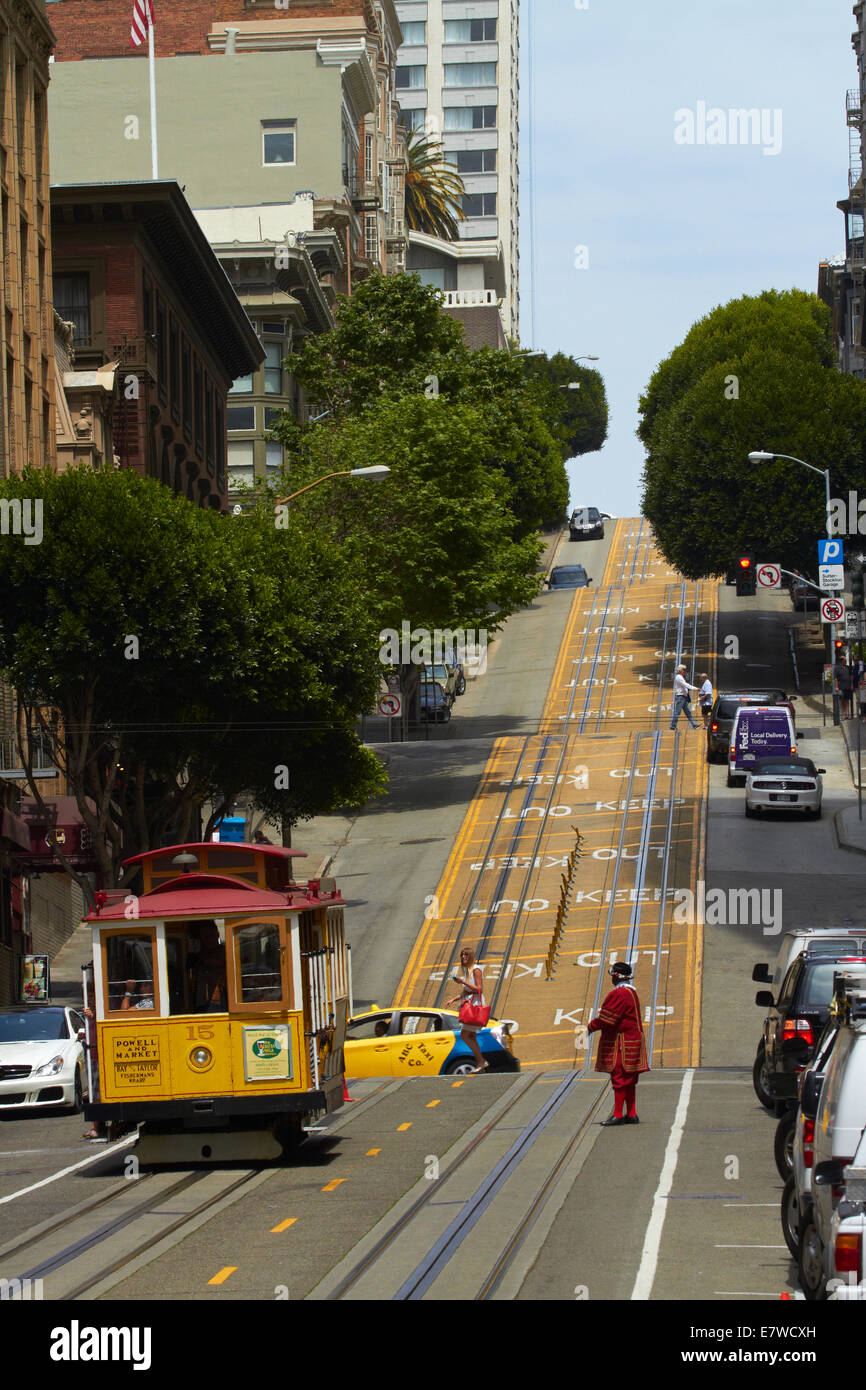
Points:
[(745, 562), (839, 643), (745, 573)]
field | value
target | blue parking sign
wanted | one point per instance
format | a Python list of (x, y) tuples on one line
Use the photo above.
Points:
[(830, 552)]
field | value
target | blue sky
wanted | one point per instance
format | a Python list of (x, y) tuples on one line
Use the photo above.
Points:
[(671, 230)]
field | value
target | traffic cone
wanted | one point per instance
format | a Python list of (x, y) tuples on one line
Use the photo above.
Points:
[(346, 1096)]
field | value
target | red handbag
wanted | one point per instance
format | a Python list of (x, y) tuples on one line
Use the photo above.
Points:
[(476, 1014)]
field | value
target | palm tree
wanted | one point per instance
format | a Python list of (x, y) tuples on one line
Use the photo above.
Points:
[(433, 189)]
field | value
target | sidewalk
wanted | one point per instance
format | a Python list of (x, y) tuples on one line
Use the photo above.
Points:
[(850, 829)]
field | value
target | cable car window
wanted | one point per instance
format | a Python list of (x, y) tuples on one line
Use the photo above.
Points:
[(258, 955), (129, 971), (196, 957)]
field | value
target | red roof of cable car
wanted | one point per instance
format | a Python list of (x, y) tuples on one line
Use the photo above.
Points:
[(211, 895), (280, 851)]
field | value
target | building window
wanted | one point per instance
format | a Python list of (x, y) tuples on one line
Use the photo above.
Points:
[(415, 30), (242, 386), (278, 142), (479, 204), (147, 301), (198, 405), (412, 120), (467, 30), (470, 74), (240, 461), (219, 428), (470, 117), (241, 417), (173, 367), (473, 161), (272, 416), (208, 420), (273, 459), (276, 327), (413, 75), (368, 158), (72, 302), (371, 237), (161, 349), (186, 386), (273, 369)]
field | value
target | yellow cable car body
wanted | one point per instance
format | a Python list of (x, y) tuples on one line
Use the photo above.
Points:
[(221, 997)]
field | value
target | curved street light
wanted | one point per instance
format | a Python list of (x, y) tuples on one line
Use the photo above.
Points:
[(761, 456), (375, 472)]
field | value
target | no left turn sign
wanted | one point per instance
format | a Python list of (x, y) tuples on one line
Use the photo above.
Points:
[(832, 610), (390, 706), (769, 577)]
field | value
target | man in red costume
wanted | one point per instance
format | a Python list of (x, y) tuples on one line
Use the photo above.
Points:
[(621, 1048)]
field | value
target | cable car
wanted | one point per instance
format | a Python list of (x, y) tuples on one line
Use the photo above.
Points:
[(221, 995)]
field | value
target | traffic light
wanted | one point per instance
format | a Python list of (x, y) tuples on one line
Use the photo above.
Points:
[(745, 572), (857, 600), (838, 647)]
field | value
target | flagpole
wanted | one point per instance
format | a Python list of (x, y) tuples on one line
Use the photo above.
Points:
[(150, 58)]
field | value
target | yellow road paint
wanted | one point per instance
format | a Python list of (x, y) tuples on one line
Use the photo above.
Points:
[(431, 1103), (455, 1084), (333, 1184), (407, 1125), (284, 1225), (371, 1153), (612, 676), (223, 1274)]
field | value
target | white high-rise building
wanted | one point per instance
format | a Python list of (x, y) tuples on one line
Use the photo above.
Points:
[(457, 77)]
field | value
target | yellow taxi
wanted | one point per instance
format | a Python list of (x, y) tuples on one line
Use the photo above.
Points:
[(411, 1041)]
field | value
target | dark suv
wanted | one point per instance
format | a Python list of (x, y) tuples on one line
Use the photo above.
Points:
[(796, 1020), (586, 523), (724, 711)]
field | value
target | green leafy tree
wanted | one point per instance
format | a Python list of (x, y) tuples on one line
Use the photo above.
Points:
[(392, 341), (173, 658), (434, 190), (432, 544), (770, 387), (578, 419)]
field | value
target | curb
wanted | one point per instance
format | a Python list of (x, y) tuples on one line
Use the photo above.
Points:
[(841, 836)]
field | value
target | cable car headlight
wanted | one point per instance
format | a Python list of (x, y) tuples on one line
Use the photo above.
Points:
[(201, 1058)]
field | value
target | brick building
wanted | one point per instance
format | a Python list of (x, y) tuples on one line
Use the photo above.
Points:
[(136, 276)]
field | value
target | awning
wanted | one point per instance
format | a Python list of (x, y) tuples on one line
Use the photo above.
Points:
[(14, 832)]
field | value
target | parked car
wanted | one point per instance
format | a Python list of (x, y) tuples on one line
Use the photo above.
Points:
[(804, 594), (784, 784), (723, 712), (797, 1195), (568, 577), (833, 1232), (795, 1020), (435, 704), (759, 731), (445, 676), (585, 523), (41, 1057), (842, 941), (410, 1041)]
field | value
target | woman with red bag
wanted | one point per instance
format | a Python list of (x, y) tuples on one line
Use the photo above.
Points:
[(474, 1013)]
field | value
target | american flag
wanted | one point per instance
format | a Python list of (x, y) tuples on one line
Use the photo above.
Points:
[(142, 20)]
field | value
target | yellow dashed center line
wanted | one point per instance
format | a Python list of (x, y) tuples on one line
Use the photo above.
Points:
[(284, 1225), (407, 1125), (223, 1274), (333, 1184)]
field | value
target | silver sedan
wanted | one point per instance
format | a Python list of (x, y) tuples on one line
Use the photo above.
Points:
[(784, 784)]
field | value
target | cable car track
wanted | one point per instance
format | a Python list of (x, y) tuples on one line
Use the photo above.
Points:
[(444, 1249)]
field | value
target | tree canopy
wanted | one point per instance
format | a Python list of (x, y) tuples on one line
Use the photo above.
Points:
[(392, 341), (175, 657), (756, 374), (578, 419)]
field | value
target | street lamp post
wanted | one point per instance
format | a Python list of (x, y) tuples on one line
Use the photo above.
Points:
[(761, 456), (375, 471)]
